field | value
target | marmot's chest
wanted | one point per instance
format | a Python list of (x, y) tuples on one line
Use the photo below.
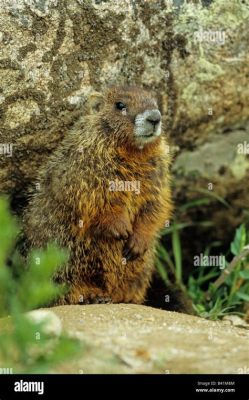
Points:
[(142, 178), (142, 184)]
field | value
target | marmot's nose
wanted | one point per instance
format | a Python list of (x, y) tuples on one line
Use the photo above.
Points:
[(154, 117)]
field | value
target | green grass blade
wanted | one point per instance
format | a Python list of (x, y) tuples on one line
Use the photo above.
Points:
[(176, 244)]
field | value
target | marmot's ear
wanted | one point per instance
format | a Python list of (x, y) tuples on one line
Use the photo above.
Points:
[(94, 102)]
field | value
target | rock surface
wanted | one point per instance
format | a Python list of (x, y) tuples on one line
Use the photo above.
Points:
[(123, 338)]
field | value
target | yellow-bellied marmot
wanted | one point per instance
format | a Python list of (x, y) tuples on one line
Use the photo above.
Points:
[(104, 194)]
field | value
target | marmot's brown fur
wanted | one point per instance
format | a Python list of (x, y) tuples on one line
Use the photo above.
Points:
[(104, 194)]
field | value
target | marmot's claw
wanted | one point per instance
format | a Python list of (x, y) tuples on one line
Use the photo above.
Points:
[(134, 248), (122, 231), (120, 236), (129, 254), (101, 300), (97, 300), (118, 231)]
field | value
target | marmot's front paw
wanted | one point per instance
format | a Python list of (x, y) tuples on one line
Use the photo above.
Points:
[(135, 247), (121, 229), (118, 228)]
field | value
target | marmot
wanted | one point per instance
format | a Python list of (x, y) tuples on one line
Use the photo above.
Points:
[(105, 194)]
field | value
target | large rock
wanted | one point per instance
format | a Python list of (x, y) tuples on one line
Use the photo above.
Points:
[(124, 338)]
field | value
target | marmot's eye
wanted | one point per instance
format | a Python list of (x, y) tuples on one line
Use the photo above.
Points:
[(120, 106)]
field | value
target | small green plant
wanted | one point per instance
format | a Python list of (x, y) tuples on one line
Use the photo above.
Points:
[(24, 345), (215, 290), (228, 293)]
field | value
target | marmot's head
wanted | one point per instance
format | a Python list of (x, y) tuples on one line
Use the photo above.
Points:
[(131, 114)]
